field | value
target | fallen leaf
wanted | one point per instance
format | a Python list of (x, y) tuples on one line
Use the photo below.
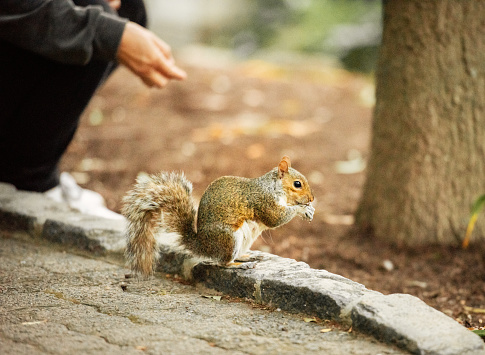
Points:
[(387, 265), (308, 320), (263, 70), (367, 95), (334, 219), (35, 322), (141, 347), (416, 283), (355, 163), (90, 164), (96, 117), (217, 298), (325, 330), (474, 310), (251, 124)]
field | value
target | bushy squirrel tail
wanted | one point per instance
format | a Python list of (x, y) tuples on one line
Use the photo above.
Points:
[(157, 203)]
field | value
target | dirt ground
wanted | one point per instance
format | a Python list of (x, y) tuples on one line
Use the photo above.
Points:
[(240, 119)]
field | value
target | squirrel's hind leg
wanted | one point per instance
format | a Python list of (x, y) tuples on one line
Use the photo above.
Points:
[(226, 246), (218, 243)]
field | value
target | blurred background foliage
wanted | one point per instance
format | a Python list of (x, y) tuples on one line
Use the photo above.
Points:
[(349, 30)]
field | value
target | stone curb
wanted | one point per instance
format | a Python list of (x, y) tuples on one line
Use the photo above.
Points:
[(399, 319)]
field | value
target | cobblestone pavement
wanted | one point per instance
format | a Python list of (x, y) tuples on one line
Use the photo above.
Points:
[(56, 302)]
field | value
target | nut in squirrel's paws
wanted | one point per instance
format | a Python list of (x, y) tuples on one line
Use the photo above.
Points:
[(307, 212)]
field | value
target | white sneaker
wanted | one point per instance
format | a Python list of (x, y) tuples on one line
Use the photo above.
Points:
[(82, 200)]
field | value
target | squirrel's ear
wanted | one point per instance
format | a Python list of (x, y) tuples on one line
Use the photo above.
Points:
[(283, 166)]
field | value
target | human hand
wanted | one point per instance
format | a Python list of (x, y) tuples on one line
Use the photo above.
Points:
[(148, 56), (114, 4)]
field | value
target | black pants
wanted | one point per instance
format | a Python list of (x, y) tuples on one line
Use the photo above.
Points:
[(40, 105)]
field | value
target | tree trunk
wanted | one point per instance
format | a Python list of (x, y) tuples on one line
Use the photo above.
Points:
[(427, 161)]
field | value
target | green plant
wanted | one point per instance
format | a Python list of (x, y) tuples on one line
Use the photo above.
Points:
[(475, 210)]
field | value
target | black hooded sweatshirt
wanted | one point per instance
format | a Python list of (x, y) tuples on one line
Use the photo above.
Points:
[(61, 31)]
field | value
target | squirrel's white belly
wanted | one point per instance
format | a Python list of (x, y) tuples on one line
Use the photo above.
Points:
[(245, 236)]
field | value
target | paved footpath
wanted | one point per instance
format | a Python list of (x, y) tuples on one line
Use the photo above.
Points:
[(56, 302)]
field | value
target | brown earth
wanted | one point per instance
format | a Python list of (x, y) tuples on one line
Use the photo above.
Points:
[(240, 119)]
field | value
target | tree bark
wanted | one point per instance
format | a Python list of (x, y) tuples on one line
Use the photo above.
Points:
[(427, 161)]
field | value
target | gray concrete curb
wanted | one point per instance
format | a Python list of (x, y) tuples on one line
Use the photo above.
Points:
[(284, 283)]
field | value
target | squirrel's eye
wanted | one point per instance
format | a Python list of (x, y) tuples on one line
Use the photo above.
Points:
[(297, 184)]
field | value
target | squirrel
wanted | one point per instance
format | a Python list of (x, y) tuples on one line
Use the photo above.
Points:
[(232, 213)]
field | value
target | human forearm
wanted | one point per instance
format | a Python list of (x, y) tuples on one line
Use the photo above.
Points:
[(58, 30)]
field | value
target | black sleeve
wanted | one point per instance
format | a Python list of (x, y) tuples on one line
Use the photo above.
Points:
[(61, 31)]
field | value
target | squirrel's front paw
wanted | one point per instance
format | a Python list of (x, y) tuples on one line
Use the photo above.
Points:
[(243, 265), (249, 257), (307, 212)]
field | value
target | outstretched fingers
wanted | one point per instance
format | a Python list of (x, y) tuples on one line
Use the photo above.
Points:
[(148, 57), (166, 64)]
